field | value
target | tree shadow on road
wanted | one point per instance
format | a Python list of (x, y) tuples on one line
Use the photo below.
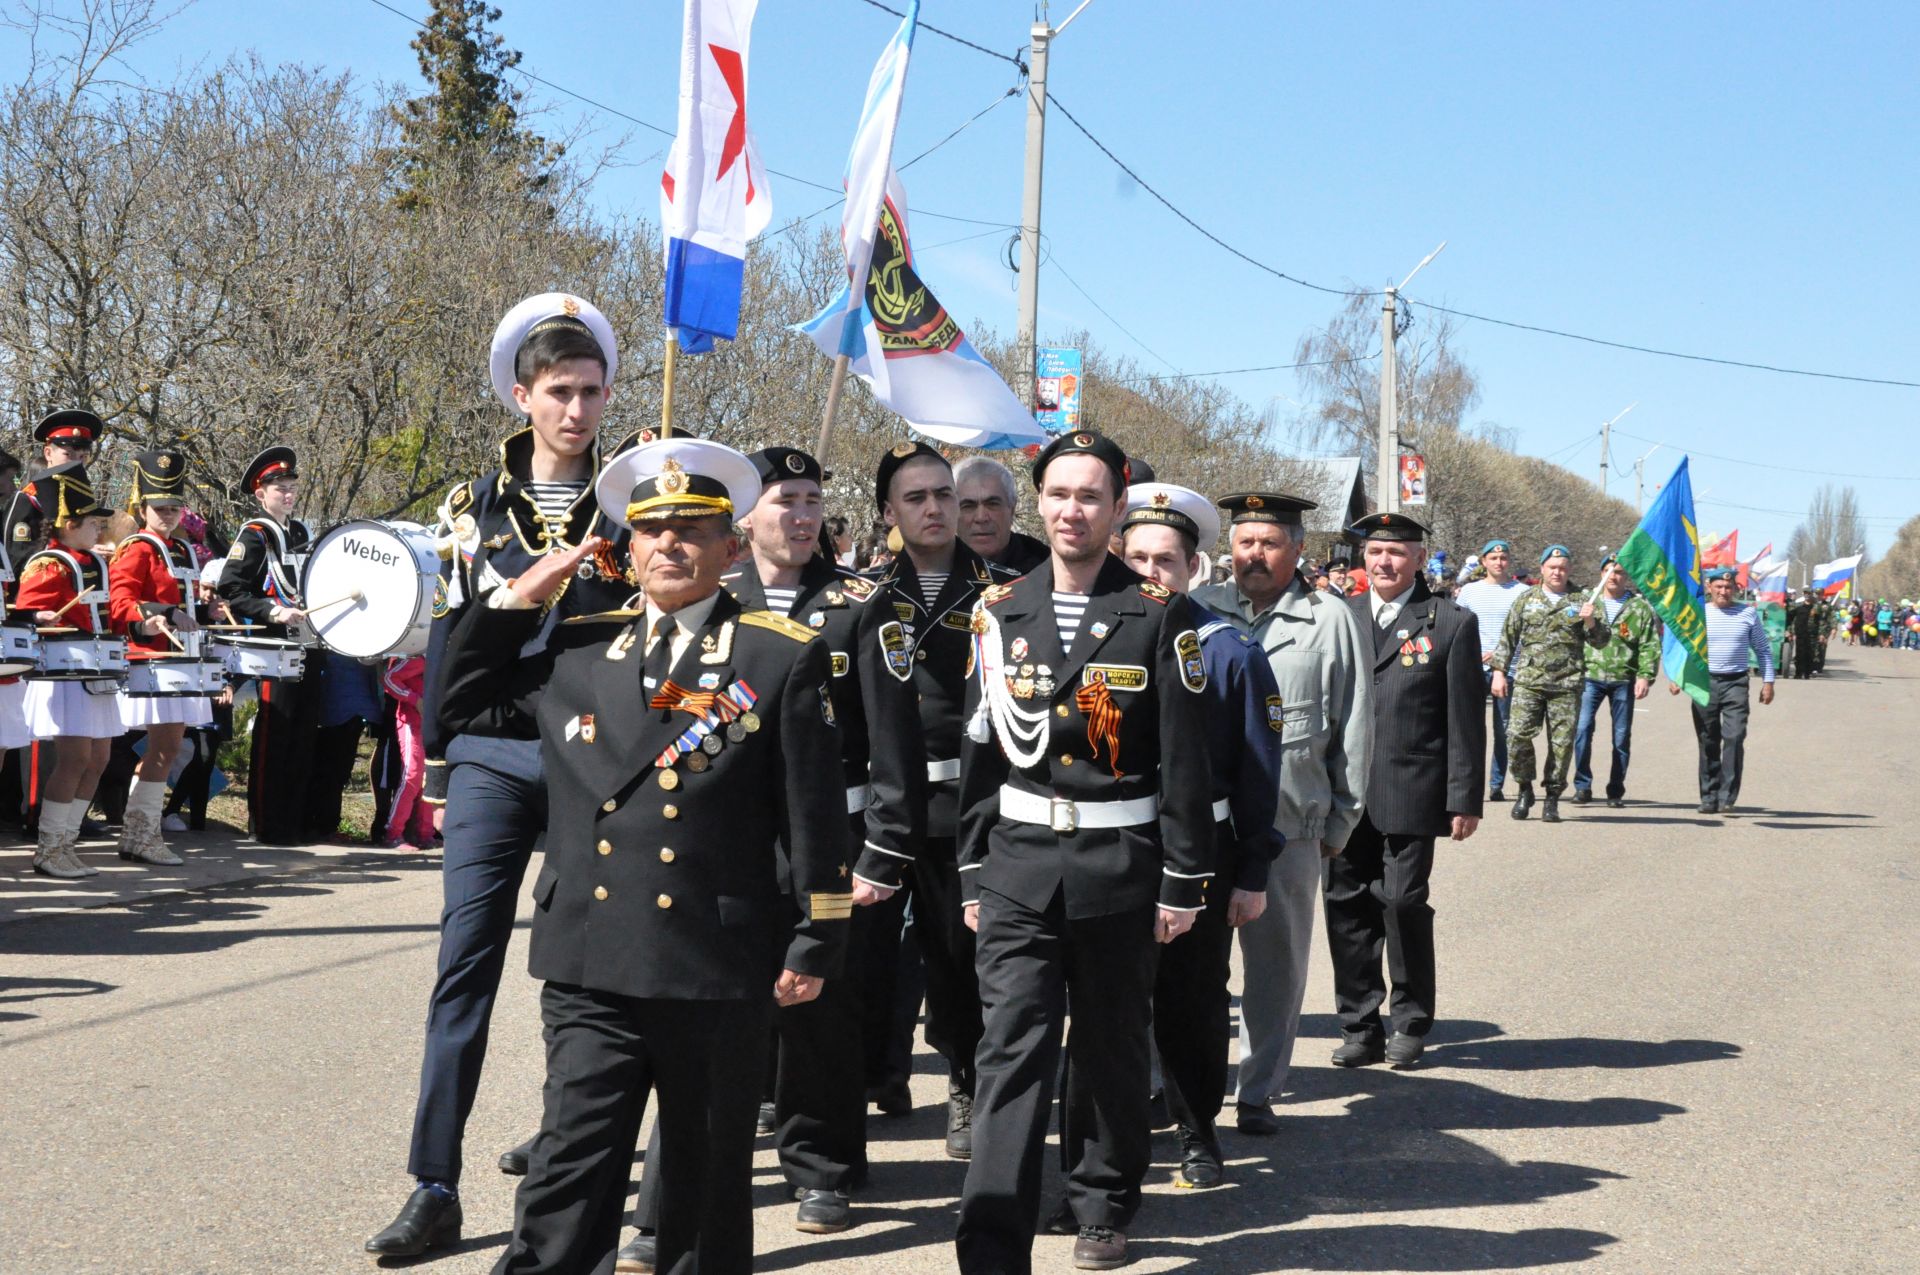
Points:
[(16, 991), (1383, 1247)]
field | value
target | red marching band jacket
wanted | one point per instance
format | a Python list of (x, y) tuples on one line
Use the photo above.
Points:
[(54, 577), (143, 583)]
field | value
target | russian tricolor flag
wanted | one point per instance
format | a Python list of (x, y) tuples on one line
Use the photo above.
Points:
[(713, 195)]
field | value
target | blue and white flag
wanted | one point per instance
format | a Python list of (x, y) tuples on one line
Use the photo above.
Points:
[(713, 194), (896, 335)]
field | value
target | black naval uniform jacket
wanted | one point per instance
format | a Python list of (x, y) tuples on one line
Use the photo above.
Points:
[(1142, 641), (495, 532), (663, 881), (263, 554), (872, 702), (941, 640), (1429, 715)]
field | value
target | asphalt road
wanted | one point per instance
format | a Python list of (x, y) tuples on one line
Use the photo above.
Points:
[(1667, 1041)]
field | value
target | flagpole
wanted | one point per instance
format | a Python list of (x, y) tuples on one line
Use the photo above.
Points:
[(666, 385), (840, 362)]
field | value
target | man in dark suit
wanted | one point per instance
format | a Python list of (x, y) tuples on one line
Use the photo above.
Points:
[(1086, 833), (680, 737), (1427, 781)]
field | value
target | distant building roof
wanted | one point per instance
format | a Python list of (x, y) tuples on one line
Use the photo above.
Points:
[(1333, 482)]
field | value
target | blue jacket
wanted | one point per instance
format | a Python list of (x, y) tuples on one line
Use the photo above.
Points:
[(1243, 729)]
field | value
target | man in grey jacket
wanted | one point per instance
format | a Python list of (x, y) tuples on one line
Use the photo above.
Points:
[(1320, 660)]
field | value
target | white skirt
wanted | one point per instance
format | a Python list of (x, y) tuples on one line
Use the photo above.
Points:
[(14, 732), (56, 708), (137, 712)]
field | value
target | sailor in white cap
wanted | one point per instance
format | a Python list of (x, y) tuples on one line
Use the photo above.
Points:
[(552, 361), (683, 734)]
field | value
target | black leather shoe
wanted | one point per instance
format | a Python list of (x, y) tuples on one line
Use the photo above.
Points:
[(1200, 1161), (1709, 807), (1404, 1050), (766, 1121), (893, 1098), (1550, 813), (637, 1256), (960, 1125), (1618, 803), (1581, 796), (1359, 1052), (1496, 793), (1061, 1221), (428, 1221), (513, 1162), (1099, 1248), (1523, 803), (823, 1212), (1254, 1121)]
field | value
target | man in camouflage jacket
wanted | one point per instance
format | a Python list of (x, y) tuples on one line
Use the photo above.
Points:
[(1618, 674), (1544, 642)]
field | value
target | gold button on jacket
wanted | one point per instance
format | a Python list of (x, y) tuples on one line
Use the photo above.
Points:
[(600, 892), (665, 900)]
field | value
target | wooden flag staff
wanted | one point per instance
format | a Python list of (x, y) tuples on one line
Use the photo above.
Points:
[(666, 385)]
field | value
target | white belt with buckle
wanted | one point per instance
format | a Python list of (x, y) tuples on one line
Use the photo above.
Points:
[(1062, 815), (937, 771), (859, 799), (1222, 810)]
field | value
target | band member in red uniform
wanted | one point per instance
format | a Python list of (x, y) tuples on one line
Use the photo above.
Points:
[(63, 586), (150, 599)]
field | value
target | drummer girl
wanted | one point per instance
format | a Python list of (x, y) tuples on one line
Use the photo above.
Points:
[(62, 586), (145, 586), (260, 583)]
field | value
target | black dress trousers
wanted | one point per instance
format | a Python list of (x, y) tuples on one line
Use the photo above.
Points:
[(947, 954), (1033, 966), (1376, 897), (1193, 1015)]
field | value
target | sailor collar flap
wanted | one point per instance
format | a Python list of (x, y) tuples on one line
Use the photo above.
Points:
[(510, 480)]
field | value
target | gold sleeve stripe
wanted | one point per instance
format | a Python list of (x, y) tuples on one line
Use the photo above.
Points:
[(829, 907), (778, 624)]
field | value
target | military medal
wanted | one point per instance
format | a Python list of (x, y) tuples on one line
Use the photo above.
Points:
[(1406, 661), (736, 732), (669, 780), (750, 721), (697, 762), (1017, 649), (712, 745)]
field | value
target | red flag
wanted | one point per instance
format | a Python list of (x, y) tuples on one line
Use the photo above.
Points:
[(1724, 553)]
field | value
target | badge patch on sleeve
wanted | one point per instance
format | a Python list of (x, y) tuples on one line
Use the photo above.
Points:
[(893, 641), (1276, 713), (826, 707), (1193, 669), (840, 664)]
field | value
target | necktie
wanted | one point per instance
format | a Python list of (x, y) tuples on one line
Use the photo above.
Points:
[(659, 661)]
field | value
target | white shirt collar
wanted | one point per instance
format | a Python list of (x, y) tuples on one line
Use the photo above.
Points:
[(1398, 600), (689, 618)]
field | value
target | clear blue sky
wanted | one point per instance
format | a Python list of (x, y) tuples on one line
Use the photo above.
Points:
[(1730, 180)]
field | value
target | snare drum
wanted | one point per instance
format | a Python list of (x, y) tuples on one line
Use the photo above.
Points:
[(271, 658), (371, 588), (19, 650), (69, 655), (187, 673)]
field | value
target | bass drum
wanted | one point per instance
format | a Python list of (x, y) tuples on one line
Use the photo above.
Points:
[(371, 588)]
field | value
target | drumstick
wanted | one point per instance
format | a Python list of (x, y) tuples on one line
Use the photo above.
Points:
[(63, 610), (355, 595)]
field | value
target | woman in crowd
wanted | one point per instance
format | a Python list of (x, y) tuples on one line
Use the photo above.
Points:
[(150, 584), (62, 585)]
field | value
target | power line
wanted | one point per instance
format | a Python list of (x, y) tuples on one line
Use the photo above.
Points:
[(957, 39), (1791, 513), (1572, 447), (1760, 464), (1055, 261), (1236, 371), (1669, 354), (636, 120), (1208, 234)]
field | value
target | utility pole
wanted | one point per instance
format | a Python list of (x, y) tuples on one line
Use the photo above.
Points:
[(1606, 438), (1027, 329), (1640, 480), (1388, 443)]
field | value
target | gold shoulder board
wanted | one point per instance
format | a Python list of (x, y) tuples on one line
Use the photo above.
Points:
[(600, 617), (779, 624)]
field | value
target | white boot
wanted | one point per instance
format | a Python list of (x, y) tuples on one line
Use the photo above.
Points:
[(49, 856), (76, 812), (140, 837)]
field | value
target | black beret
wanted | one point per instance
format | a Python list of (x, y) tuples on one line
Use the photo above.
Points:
[(1084, 442), (897, 455), (1138, 471), (778, 464)]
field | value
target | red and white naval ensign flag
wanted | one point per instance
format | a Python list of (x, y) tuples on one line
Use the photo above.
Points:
[(713, 195)]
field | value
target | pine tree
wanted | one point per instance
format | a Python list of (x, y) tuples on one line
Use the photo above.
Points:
[(469, 124)]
